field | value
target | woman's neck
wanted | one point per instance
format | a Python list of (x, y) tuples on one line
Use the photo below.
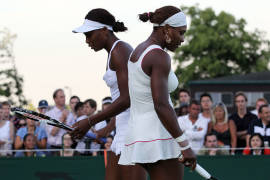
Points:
[(155, 38), (110, 41), (220, 121)]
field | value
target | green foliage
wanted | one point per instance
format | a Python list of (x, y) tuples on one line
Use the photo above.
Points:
[(218, 45), (10, 82)]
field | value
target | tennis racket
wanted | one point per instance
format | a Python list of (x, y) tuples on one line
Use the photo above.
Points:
[(48, 120), (202, 172), (40, 118)]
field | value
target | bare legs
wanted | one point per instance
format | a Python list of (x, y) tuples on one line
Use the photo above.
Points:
[(169, 169), (114, 171)]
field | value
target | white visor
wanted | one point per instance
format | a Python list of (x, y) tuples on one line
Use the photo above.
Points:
[(89, 25), (177, 20)]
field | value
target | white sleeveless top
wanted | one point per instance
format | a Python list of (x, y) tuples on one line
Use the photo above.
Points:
[(147, 140), (5, 136), (121, 119)]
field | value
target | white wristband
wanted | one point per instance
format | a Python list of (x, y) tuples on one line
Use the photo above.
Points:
[(181, 138), (184, 148)]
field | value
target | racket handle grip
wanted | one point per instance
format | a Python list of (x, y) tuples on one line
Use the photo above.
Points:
[(201, 171)]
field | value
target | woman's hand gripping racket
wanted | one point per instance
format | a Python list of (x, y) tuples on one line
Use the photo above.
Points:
[(40, 118), (201, 171)]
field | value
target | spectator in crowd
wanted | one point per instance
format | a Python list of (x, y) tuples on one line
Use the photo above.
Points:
[(108, 143), (182, 110), (259, 103), (224, 129), (262, 125), (6, 110), (242, 118), (22, 123), (79, 111), (81, 114), (106, 102), (256, 146), (6, 134), (31, 128), (43, 106), (90, 107), (67, 150), (7, 116), (29, 145), (72, 115), (211, 147), (193, 126), (110, 128), (58, 112), (206, 104), (183, 98)]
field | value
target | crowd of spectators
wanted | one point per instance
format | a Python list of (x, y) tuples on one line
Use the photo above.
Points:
[(211, 130)]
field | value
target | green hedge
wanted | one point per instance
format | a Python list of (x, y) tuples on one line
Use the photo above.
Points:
[(78, 168)]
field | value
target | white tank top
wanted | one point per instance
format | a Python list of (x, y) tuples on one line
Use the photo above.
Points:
[(121, 119), (110, 76), (142, 111)]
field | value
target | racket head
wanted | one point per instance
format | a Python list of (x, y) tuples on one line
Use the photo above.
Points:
[(40, 117)]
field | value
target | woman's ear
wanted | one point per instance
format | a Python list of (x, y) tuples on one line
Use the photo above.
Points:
[(166, 29)]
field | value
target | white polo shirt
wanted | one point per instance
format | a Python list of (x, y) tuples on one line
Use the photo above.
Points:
[(194, 135)]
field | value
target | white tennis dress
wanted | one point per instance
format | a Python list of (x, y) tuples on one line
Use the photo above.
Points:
[(147, 140), (121, 119)]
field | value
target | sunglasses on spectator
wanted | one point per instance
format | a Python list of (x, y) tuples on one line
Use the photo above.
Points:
[(219, 104)]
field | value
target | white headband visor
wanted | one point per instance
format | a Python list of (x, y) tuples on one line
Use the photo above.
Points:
[(89, 25), (176, 20), (107, 101)]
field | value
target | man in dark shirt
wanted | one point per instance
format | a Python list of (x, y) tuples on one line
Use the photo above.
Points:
[(242, 119), (261, 126)]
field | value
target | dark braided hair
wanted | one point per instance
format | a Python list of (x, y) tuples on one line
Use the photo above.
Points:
[(103, 16)]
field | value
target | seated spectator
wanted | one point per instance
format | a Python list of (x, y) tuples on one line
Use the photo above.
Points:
[(220, 126), (193, 126), (6, 134), (29, 144), (256, 146), (67, 150), (242, 118), (108, 143), (31, 128), (259, 103), (211, 147), (262, 125)]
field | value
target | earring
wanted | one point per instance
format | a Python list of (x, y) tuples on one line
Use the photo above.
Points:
[(168, 39)]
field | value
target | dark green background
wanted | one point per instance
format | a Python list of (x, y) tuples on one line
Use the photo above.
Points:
[(82, 168)]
